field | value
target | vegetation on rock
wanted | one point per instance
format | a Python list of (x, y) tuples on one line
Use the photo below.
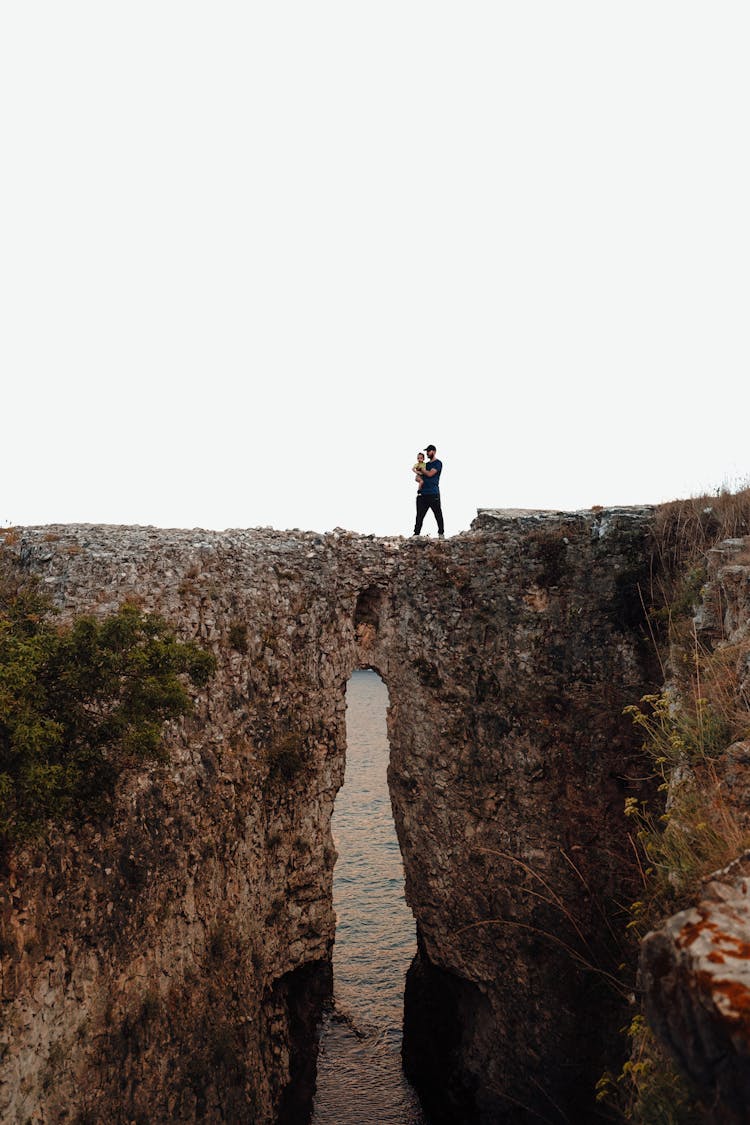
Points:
[(692, 827), (80, 701)]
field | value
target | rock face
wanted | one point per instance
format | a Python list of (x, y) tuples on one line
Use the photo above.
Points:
[(695, 969), (695, 973), (170, 963)]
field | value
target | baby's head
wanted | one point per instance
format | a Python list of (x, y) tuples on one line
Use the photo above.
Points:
[(420, 457)]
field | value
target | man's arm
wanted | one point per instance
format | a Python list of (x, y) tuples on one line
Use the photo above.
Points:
[(429, 472)]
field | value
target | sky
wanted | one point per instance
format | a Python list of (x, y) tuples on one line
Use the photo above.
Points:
[(254, 256)]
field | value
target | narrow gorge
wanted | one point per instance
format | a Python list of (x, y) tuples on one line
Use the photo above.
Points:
[(170, 962)]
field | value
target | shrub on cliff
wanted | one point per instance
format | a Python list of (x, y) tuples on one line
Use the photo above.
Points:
[(697, 828), (80, 701)]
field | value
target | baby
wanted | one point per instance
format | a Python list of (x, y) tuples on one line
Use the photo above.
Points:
[(418, 469)]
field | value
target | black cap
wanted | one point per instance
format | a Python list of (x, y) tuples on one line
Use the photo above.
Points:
[(427, 448)]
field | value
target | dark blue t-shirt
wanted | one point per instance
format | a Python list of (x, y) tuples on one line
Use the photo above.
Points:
[(431, 484)]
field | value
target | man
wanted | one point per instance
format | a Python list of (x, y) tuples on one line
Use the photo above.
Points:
[(429, 494)]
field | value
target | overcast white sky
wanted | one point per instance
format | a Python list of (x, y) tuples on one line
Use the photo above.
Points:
[(253, 256)]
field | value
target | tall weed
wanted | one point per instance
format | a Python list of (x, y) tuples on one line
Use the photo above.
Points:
[(691, 828)]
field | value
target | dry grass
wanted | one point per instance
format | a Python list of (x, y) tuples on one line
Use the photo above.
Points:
[(697, 828), (682, 534), (698, 831), (715, 684), (686, 731), (684, 530)]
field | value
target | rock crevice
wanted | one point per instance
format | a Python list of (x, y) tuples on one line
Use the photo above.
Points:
[(144, 958)]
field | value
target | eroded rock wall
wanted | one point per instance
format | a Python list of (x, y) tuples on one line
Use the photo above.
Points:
[(170, 960), (695, 968), (695, 974), (151, 963), (508, 783)]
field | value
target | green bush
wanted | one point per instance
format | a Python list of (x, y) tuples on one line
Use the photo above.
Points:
[(649, 1090), (80, 701)]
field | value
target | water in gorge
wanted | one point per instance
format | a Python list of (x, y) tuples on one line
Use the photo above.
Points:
[(360, 1079)]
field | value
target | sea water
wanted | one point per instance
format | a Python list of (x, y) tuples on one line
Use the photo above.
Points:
[(360, 1079)]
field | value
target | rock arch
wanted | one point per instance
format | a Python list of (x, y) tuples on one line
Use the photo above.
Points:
[(508, 759)]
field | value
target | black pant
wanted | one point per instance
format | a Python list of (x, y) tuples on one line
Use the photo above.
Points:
[(424, 503)]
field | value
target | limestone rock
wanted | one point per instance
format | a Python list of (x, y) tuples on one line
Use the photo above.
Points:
[(161, 961), (695, 973)]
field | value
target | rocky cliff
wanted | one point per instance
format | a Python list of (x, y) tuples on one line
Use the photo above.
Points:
[(695, 968), (169, 964)]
